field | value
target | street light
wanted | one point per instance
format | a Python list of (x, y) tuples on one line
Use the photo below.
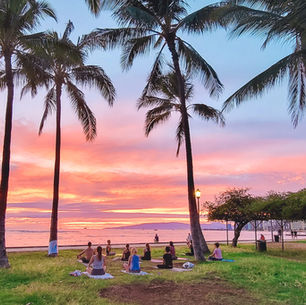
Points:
[(198, 195)]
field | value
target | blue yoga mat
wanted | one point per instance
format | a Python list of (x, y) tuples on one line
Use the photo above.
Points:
[(227, 260)]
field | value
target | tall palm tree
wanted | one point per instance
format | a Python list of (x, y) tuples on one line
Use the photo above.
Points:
[(156, 24), (282, 20), (62, 66), (17, 19), (163, 96)]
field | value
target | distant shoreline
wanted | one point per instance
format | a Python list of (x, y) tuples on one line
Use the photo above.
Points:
[(115, 246)]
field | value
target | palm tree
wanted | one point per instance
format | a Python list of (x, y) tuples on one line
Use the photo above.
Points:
[(62, 66), (281, 20), (164, 97), (17, 19), (155, 24)]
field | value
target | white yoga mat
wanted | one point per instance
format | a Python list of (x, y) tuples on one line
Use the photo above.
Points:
[(156, 260), (135, 273), (105, 276), (180, 269)]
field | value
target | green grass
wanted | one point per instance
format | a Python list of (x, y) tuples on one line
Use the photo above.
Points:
[(272, 278)]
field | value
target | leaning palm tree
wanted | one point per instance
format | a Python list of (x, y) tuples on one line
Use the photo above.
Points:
[(61, 65), (281, 20), (17, 19), (157, 24)]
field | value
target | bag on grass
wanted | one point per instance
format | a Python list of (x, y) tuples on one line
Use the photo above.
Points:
[(188, 265)]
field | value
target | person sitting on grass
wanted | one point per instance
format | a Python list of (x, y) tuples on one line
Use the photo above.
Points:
[(217, 254), (126, 253), (133, 265), (146, 253), (89, 252), (167, 260), (109, 249), (172, 250), (191, 253), (98, 263)]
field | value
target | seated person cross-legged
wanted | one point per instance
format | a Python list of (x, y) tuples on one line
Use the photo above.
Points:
[(126, 253), (133, 265), (98, 263), (217, 254), (191, 253), (146, 253), (109, 249), (167, 260), (88, 253)]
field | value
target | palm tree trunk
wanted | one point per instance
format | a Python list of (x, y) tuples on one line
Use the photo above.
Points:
[(198, 241), (53, 250), (6, 156)]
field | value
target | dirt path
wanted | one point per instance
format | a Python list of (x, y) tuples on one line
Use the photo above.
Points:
[(207, 292)]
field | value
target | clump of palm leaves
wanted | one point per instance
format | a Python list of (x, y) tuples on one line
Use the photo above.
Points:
[(282, 20)]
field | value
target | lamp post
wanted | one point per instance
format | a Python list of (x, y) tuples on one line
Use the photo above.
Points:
[(198, 195)]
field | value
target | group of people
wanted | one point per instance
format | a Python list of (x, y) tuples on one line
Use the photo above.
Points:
[(96, 261)]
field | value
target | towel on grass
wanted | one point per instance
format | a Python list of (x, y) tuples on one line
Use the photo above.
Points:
[(156, 260), (105, 276), (223, 260), (117, 258), (180, 269), (135, 273), (227, 260)]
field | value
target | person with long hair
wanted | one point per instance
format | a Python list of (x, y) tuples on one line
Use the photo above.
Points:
[(98, 263), (146, 253), (172, 250), (217, 254), (133, 265)]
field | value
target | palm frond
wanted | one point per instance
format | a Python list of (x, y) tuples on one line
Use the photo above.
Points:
[(84, 113), (196, 64), (68, 30), (153, 119), (180, 136), (155, 74), (297, 93), (32, 68), (95, 76), (94, 6), (209, 113), (150, 101), (135, 47), (204, 19), (50, 105), (259, 84), (136, 13), (112, 38)]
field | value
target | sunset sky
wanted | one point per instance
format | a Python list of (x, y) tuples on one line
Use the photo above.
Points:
[(125, 178)]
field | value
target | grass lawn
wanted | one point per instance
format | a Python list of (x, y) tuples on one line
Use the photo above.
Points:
[(254, 278)]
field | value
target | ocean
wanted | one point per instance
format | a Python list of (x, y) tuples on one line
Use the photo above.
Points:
[(26, 238)]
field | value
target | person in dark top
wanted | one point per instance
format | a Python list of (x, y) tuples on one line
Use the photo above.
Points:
[(146, 253), (191, 253), (295, 234), (126, 253), (167, 258), (156, 238)]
